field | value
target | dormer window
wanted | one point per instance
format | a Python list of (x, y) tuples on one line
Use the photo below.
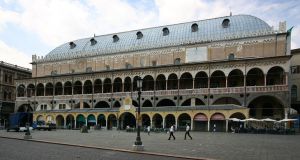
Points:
[(72, 45), (165, 31), (226, 23), (93, 41), (194, 27), (115, 38), (139, 35)]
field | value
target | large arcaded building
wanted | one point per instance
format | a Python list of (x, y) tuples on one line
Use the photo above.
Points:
[(201, 72)]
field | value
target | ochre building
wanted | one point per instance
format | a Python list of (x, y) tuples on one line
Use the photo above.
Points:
[(201, 72)]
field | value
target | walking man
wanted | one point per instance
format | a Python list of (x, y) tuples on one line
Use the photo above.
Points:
[(172, 132), (187, 132), (148, 130)]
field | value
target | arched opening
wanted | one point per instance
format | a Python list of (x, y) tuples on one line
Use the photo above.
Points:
[(186, 103), (68, 88), (148, 83), (161, 82), (169, 120), (266, 107), (145, 120), (227, 100), (199, 102), (217, 123), (25, 108), (101, 121), (157, 121), (134, 84), (127, 84), (236, 126), (201, 80), (40, 90), (276, 76), (91, 121), (21, 91), (107, 86), (58, 88), (102, 104), (217, 80), (172, 82), (134, 103), (117, 104), (49, 89), (30, 90), (147, 103), (165, 103), (255, 77), (70, 121), (80, 121), (235, 78), (77, 88), (77, 106), (111, 121), (117, 85), (127, 120), (60, 121), (40, 118), (186, 81), (86, 105), (88, 87), (183, 119), (98, 86), (200, 122)]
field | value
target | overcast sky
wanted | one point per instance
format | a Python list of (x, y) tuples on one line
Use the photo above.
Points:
[(30, 27)]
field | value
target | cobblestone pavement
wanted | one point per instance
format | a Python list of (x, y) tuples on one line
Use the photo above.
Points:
[(211, 145)]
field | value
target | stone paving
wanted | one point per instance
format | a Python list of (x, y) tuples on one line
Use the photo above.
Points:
[(210, 145)]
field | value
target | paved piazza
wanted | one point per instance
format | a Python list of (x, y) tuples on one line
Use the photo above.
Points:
[(209, 145)]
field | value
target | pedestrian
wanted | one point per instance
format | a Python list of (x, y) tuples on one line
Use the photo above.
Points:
[(215, 127), (171, 132), (148, 130), (187, 131)]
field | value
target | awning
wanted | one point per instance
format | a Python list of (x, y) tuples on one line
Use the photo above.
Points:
[(218, 117), (200, 117)]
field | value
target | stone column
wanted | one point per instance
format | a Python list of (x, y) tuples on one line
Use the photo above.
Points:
[(265, 76), (164, 123), (226, 125), (192, 125), (75, 125), (106, 123), (65, 122), (208, 125)]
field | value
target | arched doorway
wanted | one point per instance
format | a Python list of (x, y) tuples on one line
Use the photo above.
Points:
[(169, 120), (172, 82), (183, 119), (117, 86), (77, 88), (91, 121), (235, 78), (68, 88), (157, 121), (161, 82), (186, 81), (101, 121), (255, 77), (111, 121), (70, 121), (218, 123), (80, 121), (88, 87), (236, 126), (217, 80), (127, 119), (148, 83), (276, 76), (60, 121), (201, 80), (127, 84), (145, 120), (200, 122)]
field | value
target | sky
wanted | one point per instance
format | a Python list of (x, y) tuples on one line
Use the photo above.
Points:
[(29, 27)]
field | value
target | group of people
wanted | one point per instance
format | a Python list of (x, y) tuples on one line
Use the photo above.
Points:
[(172, 130)]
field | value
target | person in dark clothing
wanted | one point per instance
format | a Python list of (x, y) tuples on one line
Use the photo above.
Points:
[(187, 132), (172, 132)]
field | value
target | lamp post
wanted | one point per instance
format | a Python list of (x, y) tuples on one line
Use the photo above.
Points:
[(27, 133), (138, 145)]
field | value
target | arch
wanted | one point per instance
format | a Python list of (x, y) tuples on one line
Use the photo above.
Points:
[(194, 27), (58, 88), (49, 119), (235, 78), (21, 91), (186, 81), (30, 90), (226, 100), (135, 103), (101, 121), (107, 86), (157, 121), (77, 88), (98, 86), (226, 23), (102, 104), (139, 35), (294, 93), (187, 102), (147, 103), (266, 107), (111, 121), (127, 84), (165, 31), (88, 87), (217, 79), (77, 106), (275, 76), (238, 115), (134, 83), (91, 120), (172, 82), (25, 108), (127, 119), (80, 121), (49, 89), (40, 118), (86, 105), (60, 121), (165, 102), (116, 104), (169, 120), (199, 102), (255, 77), (161, 82), (218, 122), (70, 121), (117, 86), (148, 83), (68, 88), (201, 80), (145, 120), (40, 90), (200, 122), (183, 119)]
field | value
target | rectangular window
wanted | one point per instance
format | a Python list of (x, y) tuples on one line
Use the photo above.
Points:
[(295, 69), (44, 107), (154, 63), (62, 106)]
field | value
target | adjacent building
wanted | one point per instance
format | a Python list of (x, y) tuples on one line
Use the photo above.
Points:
[(295, 79), (202, 72)]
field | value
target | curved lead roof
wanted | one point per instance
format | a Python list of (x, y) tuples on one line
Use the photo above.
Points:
[(209, 30)]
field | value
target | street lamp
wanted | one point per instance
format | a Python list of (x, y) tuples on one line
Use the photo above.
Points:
[(138, 145), (27, 133)]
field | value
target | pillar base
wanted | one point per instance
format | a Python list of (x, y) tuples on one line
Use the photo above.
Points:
[(26, 137), (138, 147)]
